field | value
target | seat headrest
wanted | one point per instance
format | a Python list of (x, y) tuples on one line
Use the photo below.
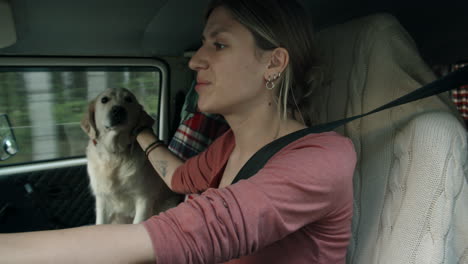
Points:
[(368, 62)]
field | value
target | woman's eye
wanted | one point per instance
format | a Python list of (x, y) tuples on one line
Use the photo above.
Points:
[(105, 99), (219, 46), (128, 99)]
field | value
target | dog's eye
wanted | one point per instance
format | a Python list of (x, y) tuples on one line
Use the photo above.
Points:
[(128, 99), (105, 99)]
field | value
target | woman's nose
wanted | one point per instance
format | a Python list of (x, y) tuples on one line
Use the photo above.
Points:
[(198, 61)]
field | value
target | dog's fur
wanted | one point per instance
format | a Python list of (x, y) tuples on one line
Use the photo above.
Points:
[(126, 187)]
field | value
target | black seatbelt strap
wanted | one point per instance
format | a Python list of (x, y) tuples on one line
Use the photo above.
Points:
[(257, 161)]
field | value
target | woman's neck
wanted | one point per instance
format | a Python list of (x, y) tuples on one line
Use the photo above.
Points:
[(254, 130)]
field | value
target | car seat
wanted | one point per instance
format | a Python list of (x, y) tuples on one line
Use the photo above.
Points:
[(410, 183)]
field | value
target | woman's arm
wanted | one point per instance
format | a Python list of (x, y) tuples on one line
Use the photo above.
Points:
[(91, 244), (197, 173), (307, 181), (163, 161)]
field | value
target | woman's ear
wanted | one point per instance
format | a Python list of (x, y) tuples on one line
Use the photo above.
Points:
[(279, 60)]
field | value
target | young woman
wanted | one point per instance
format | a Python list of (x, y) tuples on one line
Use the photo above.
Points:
[(256, 67)]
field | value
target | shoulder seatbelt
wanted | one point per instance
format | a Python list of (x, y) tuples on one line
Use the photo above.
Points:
[(257, 161)]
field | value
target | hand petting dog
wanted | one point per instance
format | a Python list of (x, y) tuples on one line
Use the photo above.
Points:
[(126, 187)]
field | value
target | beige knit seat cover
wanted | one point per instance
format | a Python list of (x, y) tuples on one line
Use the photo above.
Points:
[(410, 184)]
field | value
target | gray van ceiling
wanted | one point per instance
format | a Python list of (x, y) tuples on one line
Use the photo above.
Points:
[(146, 28)]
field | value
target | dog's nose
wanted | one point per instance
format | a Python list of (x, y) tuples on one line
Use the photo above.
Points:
[(118, 115)]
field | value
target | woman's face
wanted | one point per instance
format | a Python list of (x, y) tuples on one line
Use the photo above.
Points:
[(229, 67)]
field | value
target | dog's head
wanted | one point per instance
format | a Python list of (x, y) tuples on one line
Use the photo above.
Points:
[(111, 117)]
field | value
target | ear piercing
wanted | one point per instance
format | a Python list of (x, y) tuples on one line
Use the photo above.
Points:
[(270, 84)]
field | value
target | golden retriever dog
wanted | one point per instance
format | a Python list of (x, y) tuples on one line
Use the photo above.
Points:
[(126, 187)]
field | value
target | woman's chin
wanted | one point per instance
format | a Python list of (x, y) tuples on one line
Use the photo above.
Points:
[(209, 107), (203, 107), (206, 110)]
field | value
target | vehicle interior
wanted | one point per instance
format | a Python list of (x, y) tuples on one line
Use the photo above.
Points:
[(411, 180)]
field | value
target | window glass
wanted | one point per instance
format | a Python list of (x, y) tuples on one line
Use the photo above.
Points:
[(46, 104)]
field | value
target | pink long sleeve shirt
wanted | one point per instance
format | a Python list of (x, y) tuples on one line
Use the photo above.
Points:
[(297, 209)]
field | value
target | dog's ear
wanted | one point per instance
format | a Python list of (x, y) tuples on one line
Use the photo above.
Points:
[(88, 122)]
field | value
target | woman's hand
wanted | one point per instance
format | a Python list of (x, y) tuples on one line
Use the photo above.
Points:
[(144, 121)]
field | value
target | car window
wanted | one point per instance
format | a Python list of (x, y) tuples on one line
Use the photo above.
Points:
[(45, 104)]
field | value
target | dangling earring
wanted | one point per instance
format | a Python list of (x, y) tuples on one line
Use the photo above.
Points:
[(269, 84)]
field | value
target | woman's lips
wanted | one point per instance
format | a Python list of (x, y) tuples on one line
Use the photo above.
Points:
[(200, 84)]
